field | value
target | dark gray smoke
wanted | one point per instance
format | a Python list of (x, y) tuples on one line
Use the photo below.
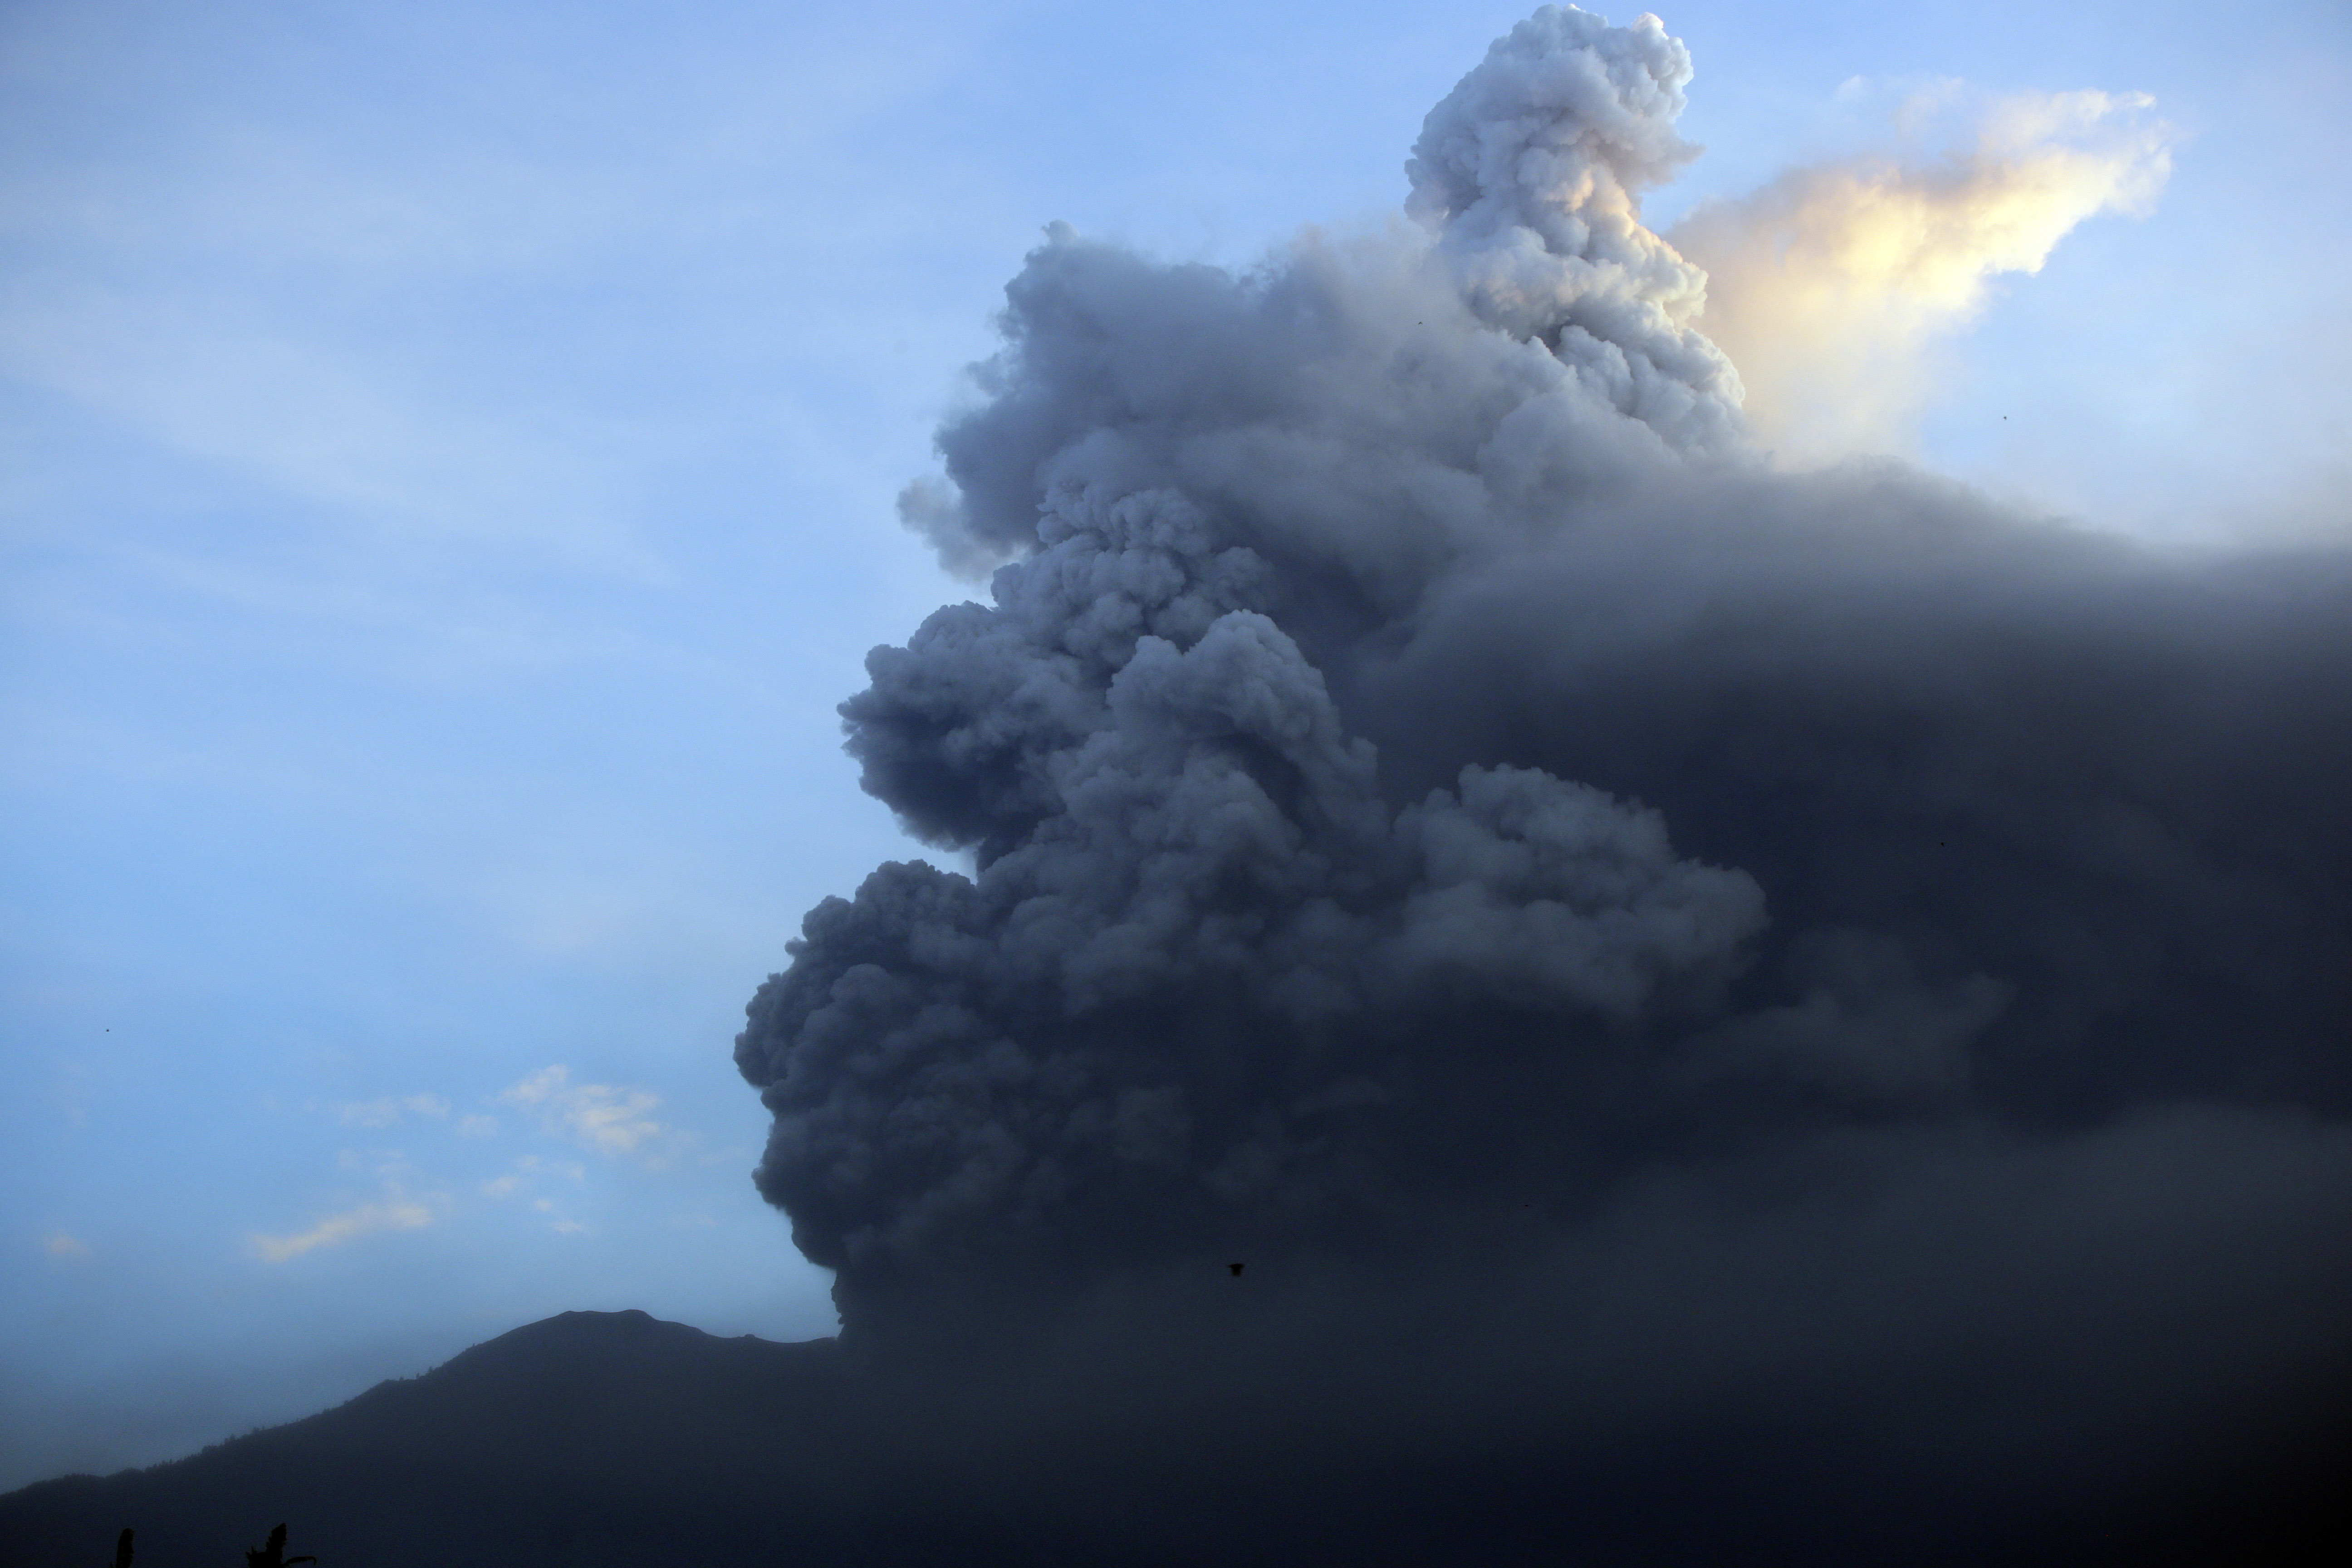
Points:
[(1618, 937)]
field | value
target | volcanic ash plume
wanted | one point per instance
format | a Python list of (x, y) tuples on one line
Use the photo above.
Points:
[(1433, 793), (1190, 994), (1531, 170)]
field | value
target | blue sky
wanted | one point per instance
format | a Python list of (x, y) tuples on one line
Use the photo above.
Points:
[(450, 456)]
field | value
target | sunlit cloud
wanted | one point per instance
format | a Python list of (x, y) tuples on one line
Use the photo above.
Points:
[(393, 1213), (1827, 287), (60, 1245)]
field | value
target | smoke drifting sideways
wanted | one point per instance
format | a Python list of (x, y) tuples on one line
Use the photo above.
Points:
[(1831, 285), (1812, 985)]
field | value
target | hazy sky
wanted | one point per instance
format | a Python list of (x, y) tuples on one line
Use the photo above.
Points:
[(448, 483)]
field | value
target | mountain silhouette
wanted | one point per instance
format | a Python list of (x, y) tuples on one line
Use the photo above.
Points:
[(587, 1438), (598, 1438)]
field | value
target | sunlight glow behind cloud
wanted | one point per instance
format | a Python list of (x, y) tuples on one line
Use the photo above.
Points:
[(1827, 286)]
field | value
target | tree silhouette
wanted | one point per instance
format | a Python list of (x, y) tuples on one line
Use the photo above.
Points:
[(273, 1554), (122, 1550)]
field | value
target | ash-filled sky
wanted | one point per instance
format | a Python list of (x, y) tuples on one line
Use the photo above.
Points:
[(456, 465)]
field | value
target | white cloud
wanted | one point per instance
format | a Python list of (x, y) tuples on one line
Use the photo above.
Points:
[(60, 1245), (527, 1170), (393, 1213), (476, 1126), (388, 1111), (611, 1119), (1827, 287)]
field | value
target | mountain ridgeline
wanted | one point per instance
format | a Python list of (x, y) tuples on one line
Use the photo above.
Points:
[(597, 1438), (589, 1437)]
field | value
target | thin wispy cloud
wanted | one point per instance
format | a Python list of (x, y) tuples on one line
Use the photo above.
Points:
[(526, 1171), (337, 428), (388, 1111), (612, 1120), (367, 1219)]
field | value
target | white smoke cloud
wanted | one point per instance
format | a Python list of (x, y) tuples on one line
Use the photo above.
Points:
[(1828, 287), (1531, 171)]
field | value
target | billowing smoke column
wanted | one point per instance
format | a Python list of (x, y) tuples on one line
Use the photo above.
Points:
[(1190, 997), (1430, 791), (1531, 172)]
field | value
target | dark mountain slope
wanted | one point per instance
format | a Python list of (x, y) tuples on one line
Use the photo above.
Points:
[(610, 1439), (590, 1438)]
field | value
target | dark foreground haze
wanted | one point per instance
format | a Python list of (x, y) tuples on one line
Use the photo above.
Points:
[(612, 1439), (1728, 1016)]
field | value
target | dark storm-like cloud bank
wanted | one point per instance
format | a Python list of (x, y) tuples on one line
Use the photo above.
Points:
[(1817, 976)]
